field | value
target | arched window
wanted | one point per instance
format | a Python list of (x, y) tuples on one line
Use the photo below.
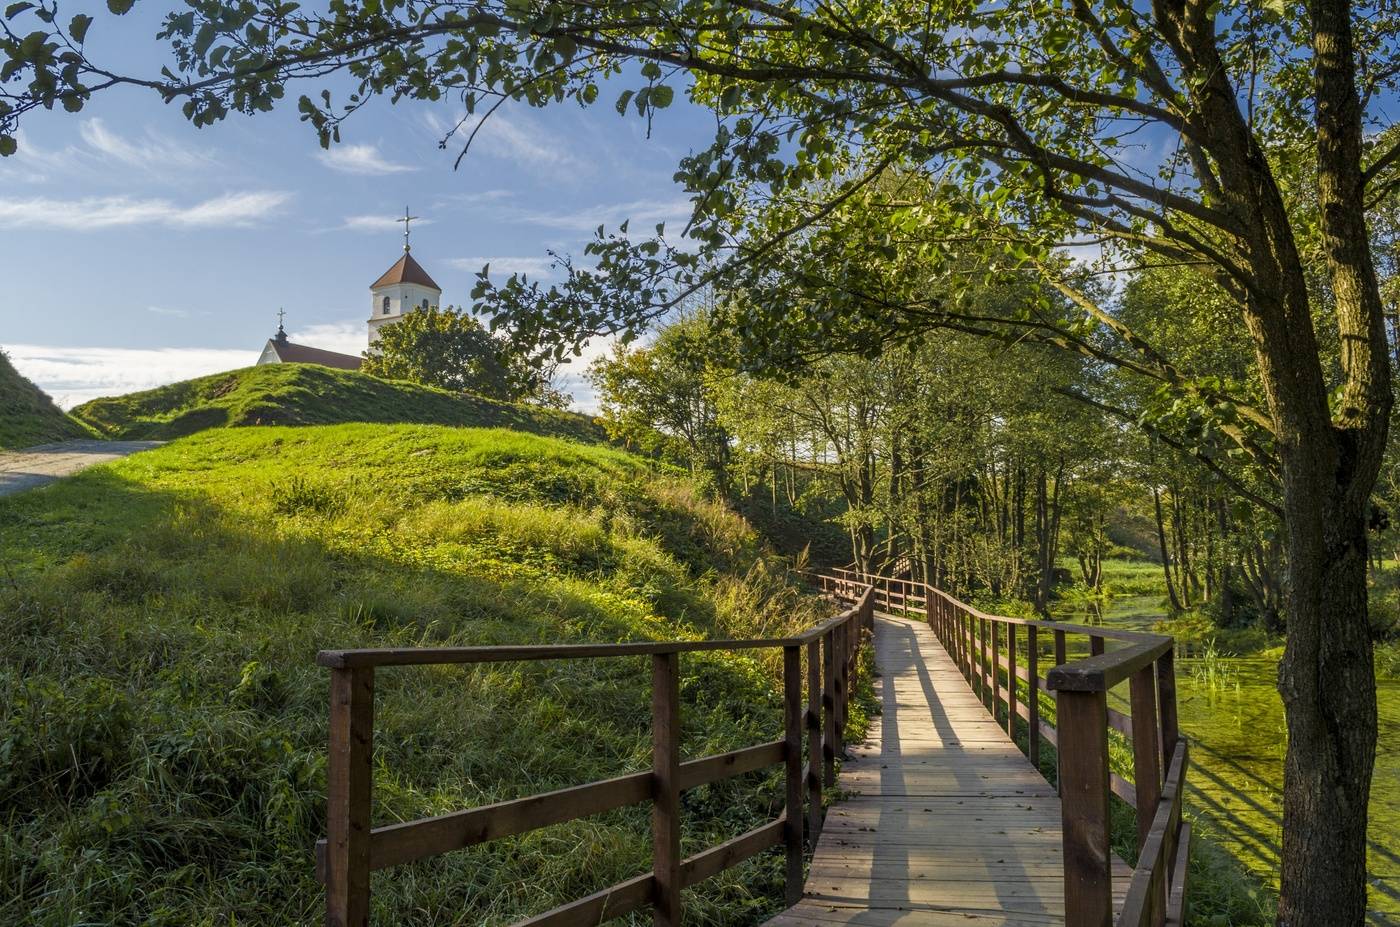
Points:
[(386, 305), (425, 304)]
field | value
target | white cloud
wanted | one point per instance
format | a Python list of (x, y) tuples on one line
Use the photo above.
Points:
[(502, 267), (74, 375), (507, 136), (96, 212), (345, 337), (644, 214), (150, 151), (360, 159), (374, 223), (172, 313)]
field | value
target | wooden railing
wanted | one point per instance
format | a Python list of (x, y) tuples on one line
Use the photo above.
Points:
[(988, 648), (353, 847)]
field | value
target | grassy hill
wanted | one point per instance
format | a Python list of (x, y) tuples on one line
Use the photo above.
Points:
[(163, 724), (27, 415), (308, 394)]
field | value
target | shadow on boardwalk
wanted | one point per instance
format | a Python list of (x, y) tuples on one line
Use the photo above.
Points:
[(944, 820)]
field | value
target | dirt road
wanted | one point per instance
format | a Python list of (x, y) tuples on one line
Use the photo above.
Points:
[(35, 466)]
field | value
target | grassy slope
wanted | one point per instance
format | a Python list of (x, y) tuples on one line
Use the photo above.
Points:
[(162, 722), (27, 415), (308, 394)]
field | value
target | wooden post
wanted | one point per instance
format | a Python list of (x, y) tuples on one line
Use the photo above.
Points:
[(1166, 702), (349, 792), (840, 742), (666, 793), (982, 664), (1147, 767), (1011, 681), (792, 728), (1033, 700), (1095, 645), (814, 739), (829, 709), (1083, 750), (1060, 660), (996, 667)]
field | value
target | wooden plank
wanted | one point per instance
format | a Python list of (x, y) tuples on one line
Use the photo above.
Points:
[(829, 709), (665, 808), (712, 862), (349, 793), (1176, 899), (710, 769), (1105, 670), (616, 901), (792, 749)]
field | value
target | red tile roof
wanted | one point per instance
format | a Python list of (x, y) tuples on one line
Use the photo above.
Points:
[(406, 270), (289, 353)]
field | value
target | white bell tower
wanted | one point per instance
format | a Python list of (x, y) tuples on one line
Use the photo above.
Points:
[(403, 288)]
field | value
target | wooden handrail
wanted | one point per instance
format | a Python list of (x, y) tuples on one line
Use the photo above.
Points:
[(974, 639), (353, 847)]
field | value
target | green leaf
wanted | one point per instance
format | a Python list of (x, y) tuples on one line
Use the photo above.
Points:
[(78, 27), (661, 96), (623, 100), (14, 9), (120, 7), (8, 145)]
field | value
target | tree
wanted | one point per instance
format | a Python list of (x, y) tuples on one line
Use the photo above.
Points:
[(451, 350), (665, 391), (1016, 124)]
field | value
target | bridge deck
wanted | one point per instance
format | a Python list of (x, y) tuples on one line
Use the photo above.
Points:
[(945, 821)]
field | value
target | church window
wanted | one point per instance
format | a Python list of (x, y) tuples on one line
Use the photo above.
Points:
[(425, 304), (386, 305)]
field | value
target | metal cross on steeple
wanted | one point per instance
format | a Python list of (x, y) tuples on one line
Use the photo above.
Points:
[(406, 220), (281, 316)]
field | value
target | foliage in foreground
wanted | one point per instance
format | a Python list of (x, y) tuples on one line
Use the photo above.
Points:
[(27, 415), (163, 723), (308, 394)]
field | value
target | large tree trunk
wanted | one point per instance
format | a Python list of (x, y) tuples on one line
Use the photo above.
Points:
[(1327, 681)]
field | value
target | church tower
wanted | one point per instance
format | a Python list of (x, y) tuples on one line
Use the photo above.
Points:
[(403, 288)]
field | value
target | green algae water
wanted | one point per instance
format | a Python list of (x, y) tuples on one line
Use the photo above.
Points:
[(1231, 711)]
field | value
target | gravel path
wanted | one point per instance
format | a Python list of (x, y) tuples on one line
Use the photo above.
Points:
[(36, 466)]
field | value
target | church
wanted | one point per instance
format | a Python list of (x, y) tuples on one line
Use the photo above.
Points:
[(403, 288)]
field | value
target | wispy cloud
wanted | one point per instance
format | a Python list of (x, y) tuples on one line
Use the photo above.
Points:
[(172, 313), (508, 136), (377, 223), (73, 375), (360, 159), (643, 214), (505, 266), (99, 212), (148, 151)]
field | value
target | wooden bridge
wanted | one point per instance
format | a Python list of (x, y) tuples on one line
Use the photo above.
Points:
[(940, 819)]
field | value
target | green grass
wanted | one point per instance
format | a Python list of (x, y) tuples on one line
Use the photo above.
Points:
[(27, 415), (163, 724), (308, 394)]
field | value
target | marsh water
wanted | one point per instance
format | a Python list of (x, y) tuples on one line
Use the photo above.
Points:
[(1231, 711)]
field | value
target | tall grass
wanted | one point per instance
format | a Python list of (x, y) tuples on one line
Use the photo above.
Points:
[(163, 724)]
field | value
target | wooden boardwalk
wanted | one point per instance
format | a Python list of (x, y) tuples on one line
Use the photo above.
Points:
[(944, 820)]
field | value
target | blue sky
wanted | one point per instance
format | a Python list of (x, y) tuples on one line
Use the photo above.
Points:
[(139, 250)]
